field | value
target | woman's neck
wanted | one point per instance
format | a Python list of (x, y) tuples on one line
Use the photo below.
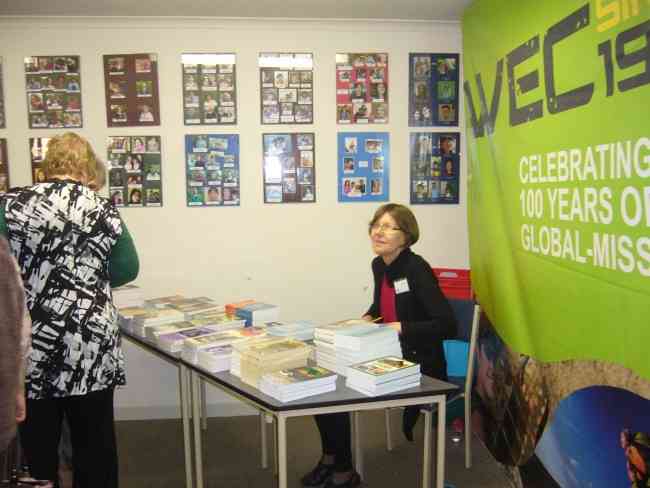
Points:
[(389, 258)]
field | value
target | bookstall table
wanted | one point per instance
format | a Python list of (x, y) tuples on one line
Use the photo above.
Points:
[(344, 399), (184, 379)]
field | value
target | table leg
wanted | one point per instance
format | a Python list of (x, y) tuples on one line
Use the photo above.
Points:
[(358, 451), (196, 417), (426, 457), (204, 407), (282, 451), (440, 449), (263, 446), (185, 417)]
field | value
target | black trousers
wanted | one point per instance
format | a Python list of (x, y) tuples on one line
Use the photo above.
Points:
[(335, 436), (92, 430)]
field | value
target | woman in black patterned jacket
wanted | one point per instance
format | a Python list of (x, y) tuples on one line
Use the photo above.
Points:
[(72, 247)]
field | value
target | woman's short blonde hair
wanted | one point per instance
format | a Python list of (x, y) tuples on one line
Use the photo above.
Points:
[(404, 219), (70, 155)]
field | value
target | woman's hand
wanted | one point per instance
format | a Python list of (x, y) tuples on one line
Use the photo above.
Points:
[(368, 318), (21, 411)]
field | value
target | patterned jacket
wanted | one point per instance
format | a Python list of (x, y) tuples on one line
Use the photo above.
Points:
[(62, 235)]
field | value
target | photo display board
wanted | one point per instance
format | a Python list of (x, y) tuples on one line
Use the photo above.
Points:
[(363, 166), (131, 84), (37, 152), (212, 170), (435, 167), (3, 121), (4, 167), (209, 89), (53, 86), (433, 89), (362, 88), (289, 167), (135, 171), (287, 88)]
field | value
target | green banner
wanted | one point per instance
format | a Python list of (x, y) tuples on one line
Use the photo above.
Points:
[(557, 98)]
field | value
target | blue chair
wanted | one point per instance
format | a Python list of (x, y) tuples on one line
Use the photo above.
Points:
[(460, 356)]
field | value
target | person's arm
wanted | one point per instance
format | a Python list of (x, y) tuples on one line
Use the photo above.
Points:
[(441, 322), (123, 262)]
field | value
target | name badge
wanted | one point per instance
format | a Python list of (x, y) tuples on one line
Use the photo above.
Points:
[(401, 286)]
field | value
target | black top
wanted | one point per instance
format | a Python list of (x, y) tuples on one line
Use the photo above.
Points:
[(425, 314)]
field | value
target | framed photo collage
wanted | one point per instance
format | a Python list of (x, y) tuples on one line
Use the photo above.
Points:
[(209, 94)]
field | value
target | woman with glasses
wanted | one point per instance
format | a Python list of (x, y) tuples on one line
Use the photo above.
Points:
[(408, 299)]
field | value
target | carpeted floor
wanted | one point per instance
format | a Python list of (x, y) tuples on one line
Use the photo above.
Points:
[(151, 455)]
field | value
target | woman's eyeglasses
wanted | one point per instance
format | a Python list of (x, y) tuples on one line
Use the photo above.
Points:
[(384, 228)]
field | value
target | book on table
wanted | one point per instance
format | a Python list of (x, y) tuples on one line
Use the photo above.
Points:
[(382, 370), (232, 308), (302, 330), (215, 358), (155, 316), (258, 312), (198, 306), (363, 335), (173, 341), (393, 386), (262, 358), (295, 383), (192, 346), (128, 296)]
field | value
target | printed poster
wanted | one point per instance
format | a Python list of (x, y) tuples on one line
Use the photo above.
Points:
[(435, 167), (289, 168), (433, 89), (135, 171), (363, 166), (37, 153), (53, 88), (212, 170), (131, 82), (559, 218), (3, 121), (362, 88), (287, 88), (209, 89), (4, 167)]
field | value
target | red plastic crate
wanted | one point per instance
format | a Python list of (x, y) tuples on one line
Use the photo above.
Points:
[(454, 283)]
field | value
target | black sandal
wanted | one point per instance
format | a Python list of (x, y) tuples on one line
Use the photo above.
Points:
[(318, 476)]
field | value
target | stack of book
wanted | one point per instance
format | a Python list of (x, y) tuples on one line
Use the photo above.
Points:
[(258, 312), (302, 330), (172, 342), (232, 308), (239, 348), (263, 358), (165, 301), (195, 306), (340, 345), (152, 333), (383, 375), (128, 296), (154, 317), (292, 384), (192, 346), (129, 314), (217, 320)]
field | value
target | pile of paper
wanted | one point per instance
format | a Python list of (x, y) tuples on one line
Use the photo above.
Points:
[(262, 358)]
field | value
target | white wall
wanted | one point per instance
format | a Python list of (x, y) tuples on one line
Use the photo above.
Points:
[(310, 259)]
